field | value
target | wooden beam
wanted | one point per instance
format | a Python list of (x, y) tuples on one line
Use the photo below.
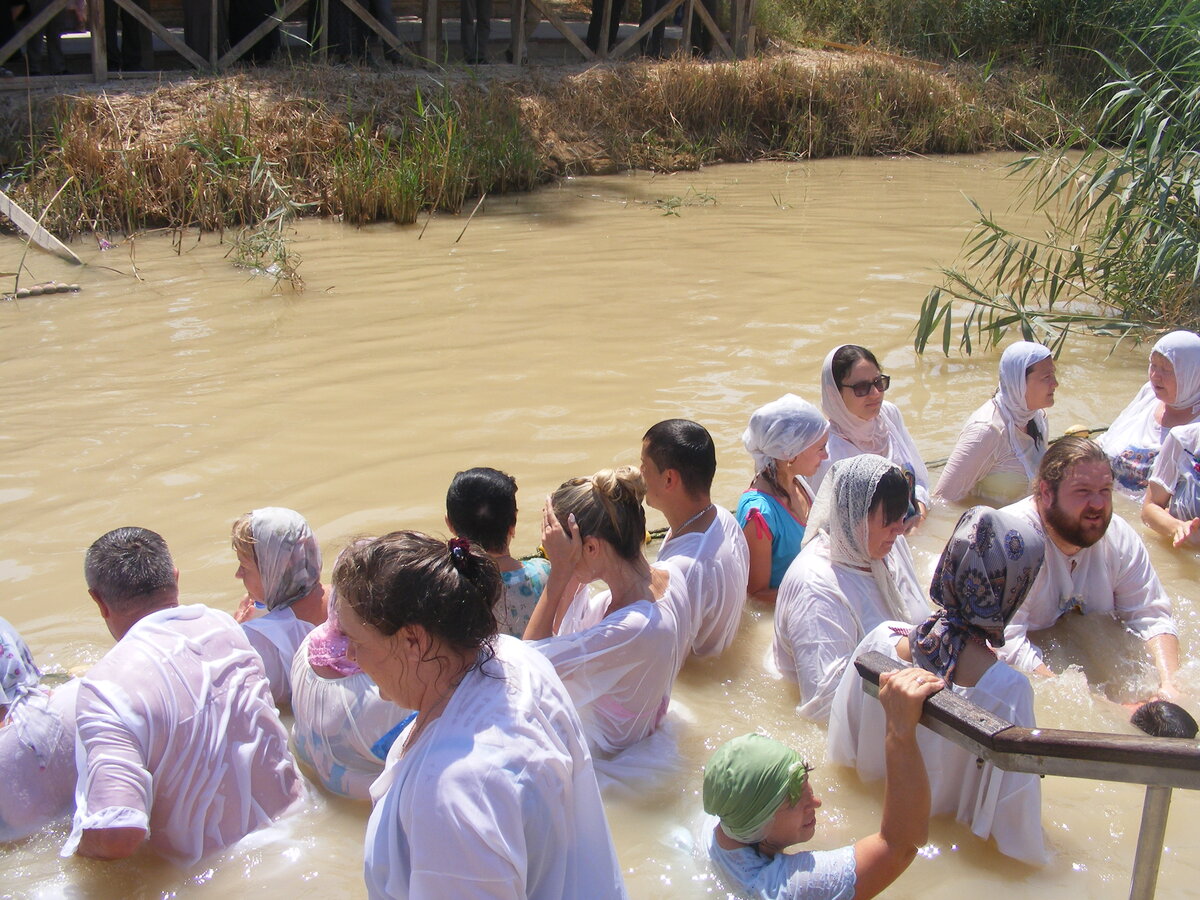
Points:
[(33, 27), (99, 43), (37, 233), (516, 20), (323, 29), (386, 36), (714, 29), (645, 28), (214, 32), (238, 50), (431, 30), (555, 19), (163, 32), (605, 24), (685, 40)]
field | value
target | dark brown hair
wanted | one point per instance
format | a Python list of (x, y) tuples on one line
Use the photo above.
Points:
[(409, 578), (1067, 452)]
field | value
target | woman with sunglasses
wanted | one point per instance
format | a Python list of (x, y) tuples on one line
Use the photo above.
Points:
[(1172, 504), (861, 421), (1004, 439)]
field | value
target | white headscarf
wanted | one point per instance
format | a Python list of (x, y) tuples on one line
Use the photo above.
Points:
[(783, 429), (841, 510), (1010, 398), (868, 435), (1182, 350), (287, 554), (37, 727)]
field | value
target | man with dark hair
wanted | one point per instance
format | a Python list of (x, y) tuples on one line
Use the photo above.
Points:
[(705, 541), (1160, 718), (180, 744), (1095, 563)]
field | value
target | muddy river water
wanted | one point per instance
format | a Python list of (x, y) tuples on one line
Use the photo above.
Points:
[(176, 392)]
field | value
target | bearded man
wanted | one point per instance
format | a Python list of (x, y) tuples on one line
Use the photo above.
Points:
[(1095, 564)]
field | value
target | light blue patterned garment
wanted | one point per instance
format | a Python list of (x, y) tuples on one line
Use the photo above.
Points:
[(522, 587), (983, 576)]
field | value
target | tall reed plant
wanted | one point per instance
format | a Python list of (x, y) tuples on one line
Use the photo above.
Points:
[(1120, 252)]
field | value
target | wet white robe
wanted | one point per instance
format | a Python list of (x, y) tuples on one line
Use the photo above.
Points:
[(178, 736), (1006, 806), (33, 792), (497, 797), (276, 636), (823, 610), (716, 563), (1113, 577)]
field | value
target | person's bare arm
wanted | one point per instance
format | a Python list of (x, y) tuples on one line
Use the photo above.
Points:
[(880, 858), (110, 843), (1164, 651), (758, 585), (1156, 515), (563, 549)]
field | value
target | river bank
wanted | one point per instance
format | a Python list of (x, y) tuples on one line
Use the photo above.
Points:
[(367, 145)]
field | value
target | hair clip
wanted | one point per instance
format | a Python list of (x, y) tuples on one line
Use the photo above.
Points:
[(460, 549)]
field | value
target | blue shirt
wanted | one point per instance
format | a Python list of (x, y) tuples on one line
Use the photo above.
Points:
[(786, 530)]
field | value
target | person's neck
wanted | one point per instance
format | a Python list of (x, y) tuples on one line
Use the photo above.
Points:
[(725, 842), (504, 561), (628, 581), (121, 626), (312, 607), (447, 668), (687, 514)]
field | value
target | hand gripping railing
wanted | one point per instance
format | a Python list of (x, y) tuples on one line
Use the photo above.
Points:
[(1159, 763)]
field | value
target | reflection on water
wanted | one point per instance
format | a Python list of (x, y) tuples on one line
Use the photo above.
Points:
[(174, 393)]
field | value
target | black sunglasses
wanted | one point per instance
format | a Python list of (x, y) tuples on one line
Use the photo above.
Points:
[(881, 383)]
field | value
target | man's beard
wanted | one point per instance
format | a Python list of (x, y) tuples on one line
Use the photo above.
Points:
[(1075, 531)]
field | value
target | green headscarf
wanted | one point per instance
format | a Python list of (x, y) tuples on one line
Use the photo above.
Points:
[(747, 780)]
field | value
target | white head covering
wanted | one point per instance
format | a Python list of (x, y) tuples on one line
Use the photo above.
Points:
[(37, 727), (869, 435), (287, 554), (782, 429), (1010, 398), (841, 510), (1182, 350)]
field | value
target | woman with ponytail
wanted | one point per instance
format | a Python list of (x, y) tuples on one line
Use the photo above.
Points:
[(489, 790)]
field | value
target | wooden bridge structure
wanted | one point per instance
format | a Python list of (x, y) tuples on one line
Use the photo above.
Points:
[(163, 18)]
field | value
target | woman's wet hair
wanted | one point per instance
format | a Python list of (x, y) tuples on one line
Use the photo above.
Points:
[(845, 358), (892, 492), (481, 505), (607, 505), (409, 578), (1160, 718)]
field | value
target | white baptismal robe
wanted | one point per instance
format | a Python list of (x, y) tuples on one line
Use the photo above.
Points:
[(823, 610), (497, 797), (1112, 577), (338, 720), (1006, 806), (178, 736), (275, 637), (716, 564), (37, 791), (619, 668)]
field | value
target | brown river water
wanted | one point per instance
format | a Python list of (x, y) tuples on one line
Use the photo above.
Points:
[(177, 392)]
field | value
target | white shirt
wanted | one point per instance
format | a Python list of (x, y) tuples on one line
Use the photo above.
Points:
[(619, 668), (276, 636), (1175, 470), (338, 720), (823, 610), (985, 451), (716, 564), (807, 875), (37, 792), (900, 450), (1006, 806), (1132, 442), (496, 799), (1112, 577), (178, 736)]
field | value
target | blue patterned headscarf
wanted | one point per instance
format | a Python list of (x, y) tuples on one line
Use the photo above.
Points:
[(985, 572)]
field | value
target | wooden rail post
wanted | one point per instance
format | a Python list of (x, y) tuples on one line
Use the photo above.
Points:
[(99, 43), (1159, 763)]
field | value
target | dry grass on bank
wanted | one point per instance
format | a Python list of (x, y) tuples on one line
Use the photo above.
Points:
[(230, 152)]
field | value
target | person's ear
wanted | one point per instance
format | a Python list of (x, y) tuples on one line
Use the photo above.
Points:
[(105, 610)]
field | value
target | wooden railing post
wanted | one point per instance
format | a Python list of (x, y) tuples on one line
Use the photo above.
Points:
[(99, 44)]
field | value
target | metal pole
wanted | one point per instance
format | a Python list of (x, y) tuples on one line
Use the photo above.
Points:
[(1150, 843)]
